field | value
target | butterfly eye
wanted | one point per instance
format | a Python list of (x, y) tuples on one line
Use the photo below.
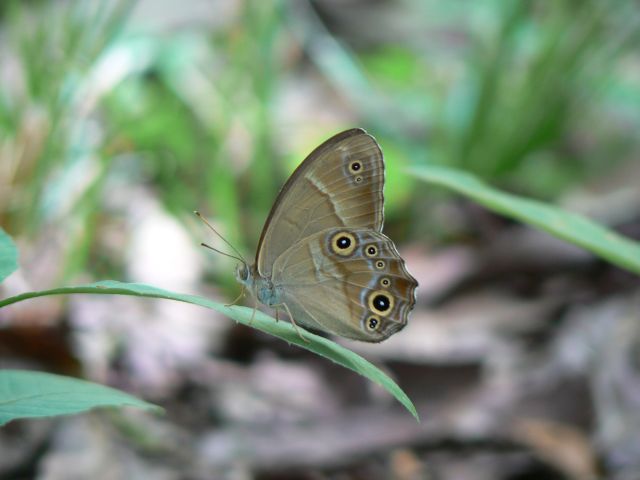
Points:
[(385, 282), (343, 243), (380, 264), (371, 251), (380, 302), (372, 323), (242, 273)]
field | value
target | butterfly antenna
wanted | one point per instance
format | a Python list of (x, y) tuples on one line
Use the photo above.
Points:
[(221, 252), (204, 220)]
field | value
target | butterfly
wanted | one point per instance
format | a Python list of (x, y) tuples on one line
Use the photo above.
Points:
[(322, 255)]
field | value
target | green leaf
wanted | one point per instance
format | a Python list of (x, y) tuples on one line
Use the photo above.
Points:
[(8, 256), (571, 227), (25, 394), (265, 323)]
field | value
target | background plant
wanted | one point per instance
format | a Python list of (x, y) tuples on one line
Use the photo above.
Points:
[(118, 119)]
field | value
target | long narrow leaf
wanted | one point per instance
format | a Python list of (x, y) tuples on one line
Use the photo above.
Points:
[(283, 330), (568, 226), (8, 256), (27, 394)]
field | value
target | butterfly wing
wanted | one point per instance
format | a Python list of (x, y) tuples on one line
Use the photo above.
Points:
[(339, 184), (350, 282)]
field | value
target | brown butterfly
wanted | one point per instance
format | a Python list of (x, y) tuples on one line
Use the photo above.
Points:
[(322, 255)]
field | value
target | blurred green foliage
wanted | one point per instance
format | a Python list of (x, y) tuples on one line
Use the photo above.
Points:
[(534, 96), (29, 394), (577, 229), (23, 403)]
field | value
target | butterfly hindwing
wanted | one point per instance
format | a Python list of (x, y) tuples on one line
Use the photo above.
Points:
[(351, 282)]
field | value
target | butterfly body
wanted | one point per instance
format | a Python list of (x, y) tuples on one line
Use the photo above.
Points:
[(262, 288), (322, 255)]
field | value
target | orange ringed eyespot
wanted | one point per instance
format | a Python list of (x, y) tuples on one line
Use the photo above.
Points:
[(380, 302), (371, 251), (372, 323), (343, 243)]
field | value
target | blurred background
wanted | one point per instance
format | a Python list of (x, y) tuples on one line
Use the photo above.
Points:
[(119, 118)]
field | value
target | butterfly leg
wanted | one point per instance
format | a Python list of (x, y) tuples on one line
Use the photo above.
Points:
[(253, 314), (237, 298), (295, 325), (277, 311)]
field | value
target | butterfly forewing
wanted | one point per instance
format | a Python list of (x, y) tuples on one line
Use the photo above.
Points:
[(338, 185)]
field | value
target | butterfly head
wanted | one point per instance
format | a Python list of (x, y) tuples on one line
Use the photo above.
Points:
[(246, 275), (242, 273)]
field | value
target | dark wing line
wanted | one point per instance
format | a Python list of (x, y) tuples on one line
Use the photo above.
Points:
[(315, 301), (353, 259), (331, 279), (299, 171), (343, 218), (340, 180), (346, 294), (312, 218)]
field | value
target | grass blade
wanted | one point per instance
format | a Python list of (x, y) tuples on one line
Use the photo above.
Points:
[(27, 394), (284, 330), (568, 226), (8, 256)]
